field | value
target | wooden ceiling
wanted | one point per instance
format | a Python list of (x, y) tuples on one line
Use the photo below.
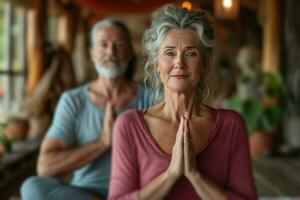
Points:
[(251, 4)]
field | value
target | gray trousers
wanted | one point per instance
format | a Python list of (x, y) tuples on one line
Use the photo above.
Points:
[(50, 188)]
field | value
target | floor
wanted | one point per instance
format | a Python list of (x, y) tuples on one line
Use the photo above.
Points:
[(277, 177)]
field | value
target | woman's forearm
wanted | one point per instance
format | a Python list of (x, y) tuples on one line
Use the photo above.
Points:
[(57, 162), (206, 188), (158, 188)]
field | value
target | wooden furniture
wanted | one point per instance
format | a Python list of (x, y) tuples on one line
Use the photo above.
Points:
[(16, 166), (277, 177)]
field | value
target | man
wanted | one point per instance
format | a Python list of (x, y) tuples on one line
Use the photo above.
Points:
[(79, 138)]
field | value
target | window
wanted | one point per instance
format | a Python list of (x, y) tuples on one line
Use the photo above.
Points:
[(1, 46), (12, 56)]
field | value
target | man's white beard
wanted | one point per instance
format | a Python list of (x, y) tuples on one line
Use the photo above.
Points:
[(111, 72)]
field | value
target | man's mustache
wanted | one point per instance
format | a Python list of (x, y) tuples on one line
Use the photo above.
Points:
[(113, 59)]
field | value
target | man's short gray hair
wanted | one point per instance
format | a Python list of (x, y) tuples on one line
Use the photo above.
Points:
[(109, 22), (172, 17)]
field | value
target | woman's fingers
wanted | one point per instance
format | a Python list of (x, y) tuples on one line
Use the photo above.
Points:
[(186, 144), (189, 156), (180, 128), (178, 146), (176, 165), (179, 136)]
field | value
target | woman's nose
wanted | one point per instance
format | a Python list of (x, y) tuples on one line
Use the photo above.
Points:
[(179, 62)]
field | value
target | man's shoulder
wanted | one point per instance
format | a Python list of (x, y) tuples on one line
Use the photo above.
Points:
[(74, 98), (77, 91), (146, 95), (75, 94)]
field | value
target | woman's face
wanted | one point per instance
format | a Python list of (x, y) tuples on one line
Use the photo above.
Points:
[(180, 62)]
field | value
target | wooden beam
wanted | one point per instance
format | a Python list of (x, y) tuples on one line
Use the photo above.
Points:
[(271, 36), (67, 28), (37, 20), (27, 4)]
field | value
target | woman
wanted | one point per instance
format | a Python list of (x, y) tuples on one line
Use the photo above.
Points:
[(180, 148)]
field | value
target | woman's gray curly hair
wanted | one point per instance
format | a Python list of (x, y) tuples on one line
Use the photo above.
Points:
[(169, 17)]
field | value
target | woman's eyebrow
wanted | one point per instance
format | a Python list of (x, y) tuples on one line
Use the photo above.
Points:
[(188, 47), (191, 47), (169, 47)]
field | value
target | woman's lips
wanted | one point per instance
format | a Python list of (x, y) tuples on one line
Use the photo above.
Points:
[(179, 76)]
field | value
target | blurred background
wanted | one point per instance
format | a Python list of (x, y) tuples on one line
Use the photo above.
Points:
[(44, 50)]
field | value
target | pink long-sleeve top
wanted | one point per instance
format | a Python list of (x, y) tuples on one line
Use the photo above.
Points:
[(137, 158)]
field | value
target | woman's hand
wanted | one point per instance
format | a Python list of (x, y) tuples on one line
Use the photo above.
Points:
[(190, 166), (109, 119), (176, 167), (183, 160)]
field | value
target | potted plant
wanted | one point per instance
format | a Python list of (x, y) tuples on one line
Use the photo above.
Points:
[(16, 128), (258, 100)]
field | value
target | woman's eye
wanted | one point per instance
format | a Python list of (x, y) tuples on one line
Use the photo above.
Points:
[(191, 54), (170, 53)]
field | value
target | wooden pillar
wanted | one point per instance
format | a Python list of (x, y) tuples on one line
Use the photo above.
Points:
[(67, 30), (271, 36), (37, 21), (66, 35), (23, 46), (83, 69)]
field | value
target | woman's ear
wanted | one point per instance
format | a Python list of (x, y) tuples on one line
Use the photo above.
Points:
[(156, 68), (206, 64)]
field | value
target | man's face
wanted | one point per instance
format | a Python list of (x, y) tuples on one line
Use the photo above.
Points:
[(111, 47)]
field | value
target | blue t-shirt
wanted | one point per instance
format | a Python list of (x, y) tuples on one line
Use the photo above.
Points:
[(78, 121)]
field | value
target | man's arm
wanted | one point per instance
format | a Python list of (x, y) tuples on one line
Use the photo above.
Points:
[(57, 157)]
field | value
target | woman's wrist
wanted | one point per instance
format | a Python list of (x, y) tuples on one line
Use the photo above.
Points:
[(195, 177), (170, 176)]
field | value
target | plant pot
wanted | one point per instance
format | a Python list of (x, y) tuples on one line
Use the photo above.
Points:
[(17, 129), (2, 150), (261, 143)]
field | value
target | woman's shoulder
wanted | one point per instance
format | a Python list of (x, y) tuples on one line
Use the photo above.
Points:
[(227, 119), (129, 116), (227, 115), (127, 123)]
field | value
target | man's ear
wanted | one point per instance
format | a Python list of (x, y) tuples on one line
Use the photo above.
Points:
[(92, 54), (131, 54)]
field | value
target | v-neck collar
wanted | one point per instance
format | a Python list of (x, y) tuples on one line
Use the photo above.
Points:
[(146, 132)]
